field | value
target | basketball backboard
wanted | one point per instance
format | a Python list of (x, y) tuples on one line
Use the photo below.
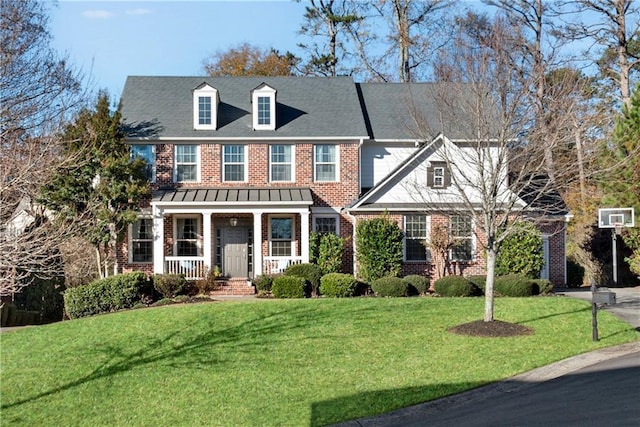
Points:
[(616, 217)]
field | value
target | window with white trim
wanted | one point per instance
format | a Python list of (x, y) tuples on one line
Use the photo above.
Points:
[(141, 241), (438, 177), (325, 163), (263, 99), (416, 231), (187, 163), (147, 152), (187, 236), (326, 224), (281, 163), (281, 236), (205, 107), (461, 229), (234, 167)]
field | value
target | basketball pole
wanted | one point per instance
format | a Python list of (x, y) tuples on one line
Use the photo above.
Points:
[(614, 241)]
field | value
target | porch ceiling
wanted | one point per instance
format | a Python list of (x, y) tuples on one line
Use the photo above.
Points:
[(234, 196)]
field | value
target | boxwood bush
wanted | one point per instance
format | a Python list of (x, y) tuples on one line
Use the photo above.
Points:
[(264, 282), (289, 287), (310, 272), (390, 287), (168, 285), (106, 295), (455, 286), (417, 284), (515, 285), (545, 287), (338, 285), (479, 280)]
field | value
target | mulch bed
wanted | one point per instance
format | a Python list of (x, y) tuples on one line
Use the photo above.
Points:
[(496, 328)]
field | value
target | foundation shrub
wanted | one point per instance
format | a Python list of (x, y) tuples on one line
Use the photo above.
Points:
[(479, 280), (455, 286), (338, 285), (263, 283), (418, 285), (515, 285), (390, 287), (289, 287), (545, 287), (168, 285), (106, 295), (310, 272)]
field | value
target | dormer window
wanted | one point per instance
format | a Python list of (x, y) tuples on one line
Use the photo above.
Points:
[(263, 99), (205, 108), (438, 175)]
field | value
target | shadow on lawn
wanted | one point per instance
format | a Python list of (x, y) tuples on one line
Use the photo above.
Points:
[(181, 347)]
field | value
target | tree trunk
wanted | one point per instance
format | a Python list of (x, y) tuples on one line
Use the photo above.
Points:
[(488, 291)]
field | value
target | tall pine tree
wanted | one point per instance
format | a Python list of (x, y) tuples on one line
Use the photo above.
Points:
[(101, 191)]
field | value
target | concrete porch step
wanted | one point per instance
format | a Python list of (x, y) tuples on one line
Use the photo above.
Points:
[(234, 286)]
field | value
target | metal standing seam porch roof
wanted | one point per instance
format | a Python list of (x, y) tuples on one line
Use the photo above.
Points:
[(234, 196)]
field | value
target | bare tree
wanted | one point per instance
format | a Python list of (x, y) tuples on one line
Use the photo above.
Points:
[(496, 176), (38, 92)]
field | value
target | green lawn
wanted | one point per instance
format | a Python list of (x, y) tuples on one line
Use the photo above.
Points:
[(269, 362)]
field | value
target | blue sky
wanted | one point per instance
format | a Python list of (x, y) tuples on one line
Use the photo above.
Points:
[(113, 39)]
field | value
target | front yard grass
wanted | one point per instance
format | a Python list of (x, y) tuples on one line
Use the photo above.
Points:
[(271, 362)]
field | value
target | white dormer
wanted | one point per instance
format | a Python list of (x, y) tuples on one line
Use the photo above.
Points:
[(263, 99), (205, 107)]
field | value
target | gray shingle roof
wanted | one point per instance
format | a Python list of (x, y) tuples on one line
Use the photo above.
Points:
[(306, 107)]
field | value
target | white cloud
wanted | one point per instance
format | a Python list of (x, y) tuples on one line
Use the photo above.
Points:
[(139, 11), (97, 14)]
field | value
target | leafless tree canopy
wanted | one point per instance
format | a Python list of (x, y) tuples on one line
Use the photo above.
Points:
[(38, 92)]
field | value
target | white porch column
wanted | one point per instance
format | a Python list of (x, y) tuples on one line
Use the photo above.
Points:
[(158, 240), (304, 236), (206, 237), (257, 243)]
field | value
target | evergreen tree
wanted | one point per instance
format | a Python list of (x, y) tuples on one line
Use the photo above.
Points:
[(621, 177), (102, 189)]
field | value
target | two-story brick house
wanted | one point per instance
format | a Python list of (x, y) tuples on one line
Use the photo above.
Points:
[(245, 168)]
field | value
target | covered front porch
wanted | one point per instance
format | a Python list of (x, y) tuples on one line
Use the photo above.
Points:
[(242, 233)]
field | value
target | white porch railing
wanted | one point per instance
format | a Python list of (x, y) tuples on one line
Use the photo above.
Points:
[(277, 264), (192, 268)]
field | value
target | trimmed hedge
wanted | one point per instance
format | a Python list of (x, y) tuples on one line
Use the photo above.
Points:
[(310, 272), (455, 286), (515, 285), (418, 285), (264, 282), (106, 295), (390, 287), (168, 285), (480, 281), (545, 287), (338, 285), (289, 287)]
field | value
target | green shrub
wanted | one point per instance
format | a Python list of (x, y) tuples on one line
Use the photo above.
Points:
[(263, 283), (338, 285), (575, 274), (479, 280), (545, 287), (168, 285), (515, 285), (289, 287), (105, 295), (163, 301), (455, 286), (521, 252), (379, 248), (390, 287), (325, 251), (417, 284), (310, 272)]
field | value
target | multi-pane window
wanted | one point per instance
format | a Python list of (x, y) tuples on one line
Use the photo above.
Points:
[(416, 231), (187, 236), (233, 163), (142, 240), (204, 110), (186, 163), (325, 224), (462, 234), (281, 236), (145, 152), (438, 177), (326, 162), (281, 162), (264, 110)]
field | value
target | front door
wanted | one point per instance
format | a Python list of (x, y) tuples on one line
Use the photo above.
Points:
[(235, 262), (544, 273)]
